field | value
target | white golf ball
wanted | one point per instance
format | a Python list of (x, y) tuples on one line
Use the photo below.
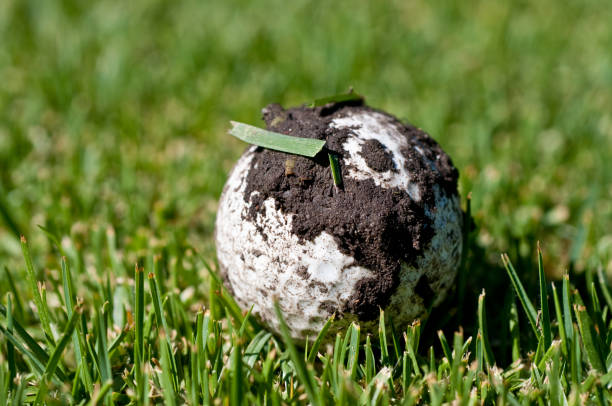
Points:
[(389, 238)]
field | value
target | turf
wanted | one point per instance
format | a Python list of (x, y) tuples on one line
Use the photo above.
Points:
[(113, 153)]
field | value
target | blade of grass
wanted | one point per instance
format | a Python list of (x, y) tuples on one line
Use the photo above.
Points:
[(354, 351), (546, 329), (540, 351), (279, 142), (395, 340), (166, 371), (445, 347), (588, 383), (117, 342), (595, 305), (18, 399), (370, 363), (484, 331), (67, 285), (102, 349), (163, 325), (335, 362), (101, 395), (345, 345), (320, 337), (405, 373), (554, 380), (56, 355), (216, 357), (334, 165), (337, 98), (79, 349), (325, 396), (139, 332), (5, 386), (412, 338), (456, 374), (567, 306), (237, 376), (560, 323), (432, 360), (303, 374), (589, 338), (228, 301), (515, 334), (522, 294), (382, 335), (35, 353), (193, 374), (478, 352), (202, 329), (28, 340), (36, 363), (255, 347), (157, 304), (547, 356), (10, 350), (245, 322), (43, 312)]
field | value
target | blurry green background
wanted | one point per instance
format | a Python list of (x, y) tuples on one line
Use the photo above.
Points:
[(114, 113)]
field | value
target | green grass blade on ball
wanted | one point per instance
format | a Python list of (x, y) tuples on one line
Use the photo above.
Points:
[(279, 142)]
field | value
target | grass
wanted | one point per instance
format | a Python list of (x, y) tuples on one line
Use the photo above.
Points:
[(151, 348), (113, 121)]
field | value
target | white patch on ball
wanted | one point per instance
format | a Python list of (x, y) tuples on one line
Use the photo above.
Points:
[(371, 125)]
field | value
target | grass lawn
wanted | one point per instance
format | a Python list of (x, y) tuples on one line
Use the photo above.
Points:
[(114, 151)]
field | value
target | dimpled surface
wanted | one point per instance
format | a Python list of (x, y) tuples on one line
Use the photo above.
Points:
[(261, 260)]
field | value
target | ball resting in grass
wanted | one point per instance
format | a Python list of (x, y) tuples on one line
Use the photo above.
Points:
[(389, 238)]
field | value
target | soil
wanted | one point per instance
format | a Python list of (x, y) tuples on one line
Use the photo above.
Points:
[(379, 227), (377, 156)]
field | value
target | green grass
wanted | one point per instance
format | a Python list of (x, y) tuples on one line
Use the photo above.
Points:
[(135, 344), (113, 139)]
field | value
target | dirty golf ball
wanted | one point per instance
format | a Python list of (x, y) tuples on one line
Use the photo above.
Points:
[(389, 238)]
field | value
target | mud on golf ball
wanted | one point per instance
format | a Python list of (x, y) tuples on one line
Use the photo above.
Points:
[(389, 238)]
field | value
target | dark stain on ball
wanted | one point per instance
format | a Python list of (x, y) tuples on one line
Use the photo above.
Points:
[(316, 284), (302, 272), (377, 156), (381, 228), (328, 307)]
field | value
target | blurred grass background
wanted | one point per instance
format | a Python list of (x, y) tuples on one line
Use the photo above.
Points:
[(114, 114)]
